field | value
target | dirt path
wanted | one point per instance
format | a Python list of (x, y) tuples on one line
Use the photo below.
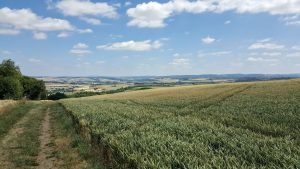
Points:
[(44, 161), (9, 144), (40, 140)]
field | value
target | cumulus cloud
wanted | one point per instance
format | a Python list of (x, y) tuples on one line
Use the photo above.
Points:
[(266, 44), (39, 36), (208, 40), (80, 49), (146, 45), (153, 14), (25, 19), (86, 8)]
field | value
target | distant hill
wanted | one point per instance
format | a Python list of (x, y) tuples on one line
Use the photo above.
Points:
[(205, 78)]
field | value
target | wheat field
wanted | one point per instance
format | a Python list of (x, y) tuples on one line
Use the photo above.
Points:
[(240, 125)]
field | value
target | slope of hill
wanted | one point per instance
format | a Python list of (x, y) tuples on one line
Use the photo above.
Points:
[(240, 125)]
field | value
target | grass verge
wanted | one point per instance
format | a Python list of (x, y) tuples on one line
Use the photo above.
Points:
[(71, 150), (8, 119), (27, 144)]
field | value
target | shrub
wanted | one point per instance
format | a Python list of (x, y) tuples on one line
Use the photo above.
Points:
[(10, 88)]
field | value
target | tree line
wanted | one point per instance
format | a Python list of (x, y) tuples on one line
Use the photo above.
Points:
[(14, 85)]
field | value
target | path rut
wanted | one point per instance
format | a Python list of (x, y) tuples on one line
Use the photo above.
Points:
[(45, 162)]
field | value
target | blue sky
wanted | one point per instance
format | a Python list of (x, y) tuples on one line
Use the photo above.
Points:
[(125, 38)]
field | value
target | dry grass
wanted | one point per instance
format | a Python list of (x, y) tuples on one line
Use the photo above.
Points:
[(5, 104)]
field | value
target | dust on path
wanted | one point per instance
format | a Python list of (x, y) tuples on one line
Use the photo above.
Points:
[(8, 143), (44, 160)]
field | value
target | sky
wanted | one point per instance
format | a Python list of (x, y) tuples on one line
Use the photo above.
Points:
[(163, 37)]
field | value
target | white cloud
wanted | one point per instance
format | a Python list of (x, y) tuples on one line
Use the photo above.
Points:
[(86, 8), (115, 36), (265, 40), (85, 30), (292, 20), (39, 36), (180, 62), (33, 60), (176, 54), (80, 52), (153, 14), (260, 59), (271, 54), (91, 21), (150, 15), (295, 23), (63, 35), (265, 44), (293, 55), (218, 53), (132, 45), (295, 47), (127, 3), (227, 22), (25, 19), (208, 40), (80, 49), (9, 32), (80, 46)]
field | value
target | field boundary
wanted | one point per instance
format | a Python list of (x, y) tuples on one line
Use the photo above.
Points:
[(101, 150)]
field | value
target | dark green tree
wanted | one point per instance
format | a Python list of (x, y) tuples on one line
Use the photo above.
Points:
[(10, 88), (9, 69), (33, 89), (57, 96), (15, 86)]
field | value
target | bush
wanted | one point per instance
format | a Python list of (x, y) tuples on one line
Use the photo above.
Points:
[(57, 96), (33, 89), (10, 88)]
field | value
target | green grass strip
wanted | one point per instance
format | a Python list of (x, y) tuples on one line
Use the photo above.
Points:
[(28, 142), (8, 119)]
